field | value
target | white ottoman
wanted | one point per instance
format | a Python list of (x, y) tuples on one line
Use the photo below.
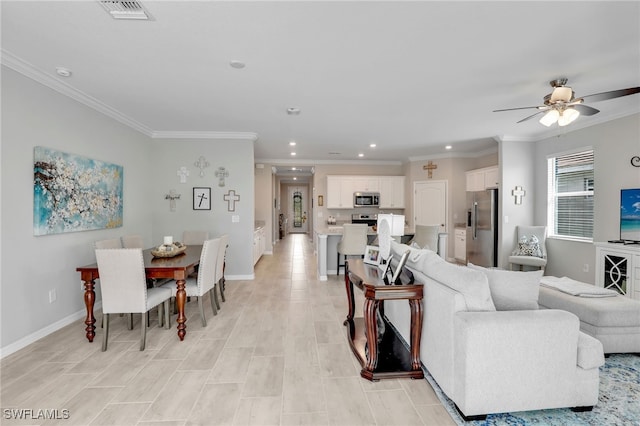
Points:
[(615, 321)]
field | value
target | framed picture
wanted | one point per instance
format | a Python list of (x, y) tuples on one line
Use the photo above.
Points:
[(320, 200), (372, 255), (401, 263), (202, 198)]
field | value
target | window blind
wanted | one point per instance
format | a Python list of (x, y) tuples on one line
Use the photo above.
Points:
[(571, 188)]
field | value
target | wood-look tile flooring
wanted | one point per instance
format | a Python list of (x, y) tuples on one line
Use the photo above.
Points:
[(276, 354)]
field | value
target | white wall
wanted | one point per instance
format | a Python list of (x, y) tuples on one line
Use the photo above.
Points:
[(167, 156), (614, 144), (34, 115)]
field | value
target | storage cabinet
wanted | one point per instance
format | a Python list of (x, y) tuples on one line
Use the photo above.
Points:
[(259, 244), (618, 268), (460, 245), (392, 192), (340, 190), (481, 179)]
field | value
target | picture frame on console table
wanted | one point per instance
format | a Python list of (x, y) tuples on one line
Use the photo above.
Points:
[(372, 255)]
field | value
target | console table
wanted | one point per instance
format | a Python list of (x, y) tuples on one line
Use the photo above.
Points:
[(382, 354)]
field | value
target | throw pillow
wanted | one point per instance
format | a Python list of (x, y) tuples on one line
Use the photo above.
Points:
[(513, 290), (528, 246)]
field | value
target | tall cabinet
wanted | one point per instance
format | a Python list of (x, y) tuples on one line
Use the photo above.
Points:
[(618, 268)]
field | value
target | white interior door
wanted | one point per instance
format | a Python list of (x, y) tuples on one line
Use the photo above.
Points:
[(430, 203)]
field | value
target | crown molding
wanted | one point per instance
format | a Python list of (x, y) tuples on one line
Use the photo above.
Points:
[(187, 134), (17, 64)]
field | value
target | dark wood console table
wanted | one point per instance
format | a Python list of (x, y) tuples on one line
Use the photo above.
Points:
[(385, 356)]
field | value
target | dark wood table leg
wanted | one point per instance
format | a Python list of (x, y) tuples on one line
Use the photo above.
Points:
[(181, 296), (416, 330), (350, 298), (89, 301), (371, 324)]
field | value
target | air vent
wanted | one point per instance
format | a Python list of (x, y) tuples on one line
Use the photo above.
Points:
[(125, 9)]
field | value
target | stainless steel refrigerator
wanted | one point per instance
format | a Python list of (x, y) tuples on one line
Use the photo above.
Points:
[(482, 227)]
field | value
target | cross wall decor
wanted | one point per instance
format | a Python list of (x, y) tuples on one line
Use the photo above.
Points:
[(430, 167), (518, 193), (231, 198)]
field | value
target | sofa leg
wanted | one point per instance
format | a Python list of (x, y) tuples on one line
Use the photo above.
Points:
[(480, 417), (582, 409)]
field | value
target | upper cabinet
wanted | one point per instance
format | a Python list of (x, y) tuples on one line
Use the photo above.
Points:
[(392, 192), (481, 179), (340, 190)]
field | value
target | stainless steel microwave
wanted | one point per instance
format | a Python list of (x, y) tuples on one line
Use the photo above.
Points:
[(366, 199)]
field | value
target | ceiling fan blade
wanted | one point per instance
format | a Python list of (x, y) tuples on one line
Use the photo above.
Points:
[(586, 110), (612, 94), (531, 116), (513, 109)]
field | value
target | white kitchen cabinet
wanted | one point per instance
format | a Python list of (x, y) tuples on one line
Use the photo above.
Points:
[(481, 179), (259, 244), (366, 184), (340, 191), (618, 268), (460, 245), (392, 192)]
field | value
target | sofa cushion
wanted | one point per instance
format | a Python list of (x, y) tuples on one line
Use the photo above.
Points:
[(512, 290)]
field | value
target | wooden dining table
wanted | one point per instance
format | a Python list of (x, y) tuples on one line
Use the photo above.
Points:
[(177, 267)]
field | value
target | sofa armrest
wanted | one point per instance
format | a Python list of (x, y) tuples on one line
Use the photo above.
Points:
[(515, 354)]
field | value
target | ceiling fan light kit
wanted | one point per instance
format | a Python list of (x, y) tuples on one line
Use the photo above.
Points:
[(562, 107)]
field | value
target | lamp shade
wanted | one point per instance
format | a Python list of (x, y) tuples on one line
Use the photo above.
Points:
[(396, 223), (550, 117), (568, 116)]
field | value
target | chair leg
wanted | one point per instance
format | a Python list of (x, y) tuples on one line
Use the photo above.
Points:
[(213, 304), (221, 286), (338, 265), (201, 308), (167, 304), (143, 338), (130, 321), (214, 294), (160, 315), (105, 326)]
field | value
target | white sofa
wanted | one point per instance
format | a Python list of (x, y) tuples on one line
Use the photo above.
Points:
[(493, 361)]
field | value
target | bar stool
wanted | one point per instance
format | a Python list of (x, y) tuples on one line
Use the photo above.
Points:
[(353, 242)]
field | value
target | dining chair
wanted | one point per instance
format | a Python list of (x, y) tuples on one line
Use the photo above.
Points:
[(108, 244), (353, 242), (194, 238), (205, 281), (132, 241), (124, 289), (531, 248), (220, 263)]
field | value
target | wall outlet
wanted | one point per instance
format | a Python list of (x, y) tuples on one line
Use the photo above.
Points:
[(585, 268), (52, 295)]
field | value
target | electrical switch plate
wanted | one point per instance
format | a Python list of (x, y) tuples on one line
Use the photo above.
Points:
[(235, 218)]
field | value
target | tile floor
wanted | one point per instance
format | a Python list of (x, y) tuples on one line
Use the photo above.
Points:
[(276, 354)]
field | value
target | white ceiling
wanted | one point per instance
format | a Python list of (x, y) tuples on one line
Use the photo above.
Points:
[(411, 77)]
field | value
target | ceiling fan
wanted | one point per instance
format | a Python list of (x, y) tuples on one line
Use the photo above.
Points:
[(563, 107)]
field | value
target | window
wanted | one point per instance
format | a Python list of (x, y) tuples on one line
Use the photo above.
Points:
[(570, 192)]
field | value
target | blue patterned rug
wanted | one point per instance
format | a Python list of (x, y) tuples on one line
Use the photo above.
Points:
[(618, 403)]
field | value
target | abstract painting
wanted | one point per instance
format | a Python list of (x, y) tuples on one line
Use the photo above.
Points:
[(73, 193)]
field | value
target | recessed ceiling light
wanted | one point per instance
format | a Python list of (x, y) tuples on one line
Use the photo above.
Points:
[(237, 64), (448, 147), (63, 72), (293, 153), (293, 111), (372, 145), (361, 155), (293, 168), (295, 178), (292, 143)]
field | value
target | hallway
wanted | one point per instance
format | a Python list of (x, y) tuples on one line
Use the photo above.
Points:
[(276, 354)]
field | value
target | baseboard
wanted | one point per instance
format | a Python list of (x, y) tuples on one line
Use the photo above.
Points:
[(43, 332)]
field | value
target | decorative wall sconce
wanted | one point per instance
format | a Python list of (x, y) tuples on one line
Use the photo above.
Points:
[(202, 163), (635, 161), (183, 173), (221, 173), (172, 196)]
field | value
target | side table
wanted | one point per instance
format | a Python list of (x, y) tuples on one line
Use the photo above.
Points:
[(382, 354)]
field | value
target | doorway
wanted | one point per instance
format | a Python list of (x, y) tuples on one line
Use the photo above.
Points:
[(298, 211)]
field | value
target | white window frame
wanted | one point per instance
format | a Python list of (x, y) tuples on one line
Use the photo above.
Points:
[(552, 196)]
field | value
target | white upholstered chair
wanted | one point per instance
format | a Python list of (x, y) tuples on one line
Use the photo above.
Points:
[(108, 244), (132, 241), (194, 238), (353, 242), (124, 289), (536, 260), (426, 236), (205, 282)]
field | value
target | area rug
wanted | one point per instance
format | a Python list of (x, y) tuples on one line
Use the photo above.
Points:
[(618, 403)]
